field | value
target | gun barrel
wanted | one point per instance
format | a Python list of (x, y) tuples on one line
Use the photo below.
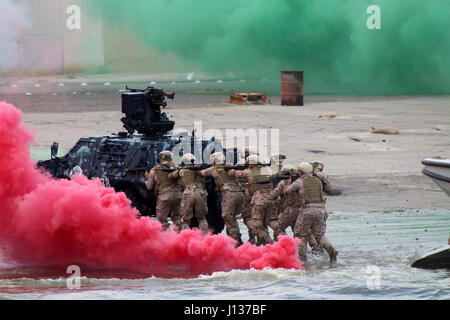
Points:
[(197, 167), (243, 167), (169, 95), (276, 179)]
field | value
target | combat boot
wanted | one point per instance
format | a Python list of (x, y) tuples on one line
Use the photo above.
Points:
[(333, 256)]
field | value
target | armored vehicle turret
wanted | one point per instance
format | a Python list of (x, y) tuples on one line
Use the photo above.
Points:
[(120, 160)]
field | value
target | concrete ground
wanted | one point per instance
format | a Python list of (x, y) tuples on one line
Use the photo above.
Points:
[(375, 172)]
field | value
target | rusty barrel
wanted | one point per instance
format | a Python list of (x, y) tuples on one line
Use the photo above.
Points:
[(292, 88)]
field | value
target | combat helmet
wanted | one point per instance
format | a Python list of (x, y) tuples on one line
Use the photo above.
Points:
[(317, 165), (217, 158), (188, 158), (289, 171), (251, 151), (252, 159), (277, 157), (305, 167), (164, 157)]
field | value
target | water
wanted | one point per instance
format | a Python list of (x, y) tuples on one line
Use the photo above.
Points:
[(373, 263)]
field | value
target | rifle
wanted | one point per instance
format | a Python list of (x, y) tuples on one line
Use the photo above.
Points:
[(197, 167), (245, 166), (169, 170), (194, 168), (237, 167), (148, 169), (277, 179)]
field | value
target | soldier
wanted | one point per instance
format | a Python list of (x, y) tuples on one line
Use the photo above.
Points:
[(290, 202), (193, 199), (276, 165), (328, 189), (247, 208), (250, 151), (276, 162), (312, 215), (257, 175), (232, 194), (167, 190)]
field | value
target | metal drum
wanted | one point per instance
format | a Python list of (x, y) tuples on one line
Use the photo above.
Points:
[(292, 88)]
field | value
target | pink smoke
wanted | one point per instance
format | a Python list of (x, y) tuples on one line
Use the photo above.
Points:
[(51, 222)]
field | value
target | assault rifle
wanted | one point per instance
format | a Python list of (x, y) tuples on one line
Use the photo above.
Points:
[(194, 168), (245, 166), (237, 167), (276, 179)]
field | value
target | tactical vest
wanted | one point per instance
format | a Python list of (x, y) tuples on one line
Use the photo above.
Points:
[(313, 189), (258, 176), (224, 181), (190, 177), (163, 180)]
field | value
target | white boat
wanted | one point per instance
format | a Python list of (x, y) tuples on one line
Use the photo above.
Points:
[(434, 259), (439, 171)]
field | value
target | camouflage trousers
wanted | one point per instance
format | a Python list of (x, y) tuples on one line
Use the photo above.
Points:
[(313, 242), (168, 202), (261, 214), (247, 217), (312, 219), (232, 204), (287, 217), (273, 221), (193, 201)]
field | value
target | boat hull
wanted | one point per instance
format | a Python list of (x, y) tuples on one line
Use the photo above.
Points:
[(439, 171), (435, 259)]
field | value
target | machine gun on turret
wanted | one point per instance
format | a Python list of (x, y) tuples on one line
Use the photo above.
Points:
[(142, 109)]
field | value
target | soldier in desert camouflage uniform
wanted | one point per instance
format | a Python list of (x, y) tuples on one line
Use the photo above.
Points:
[(312, 215), (193, 200), (167, 190), (290, 202), (246, 211), (328, 189), (247, 208), (232, 194), (261, 204), (276, 165)]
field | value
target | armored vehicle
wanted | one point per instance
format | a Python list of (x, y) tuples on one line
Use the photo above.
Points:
[(120, 160)]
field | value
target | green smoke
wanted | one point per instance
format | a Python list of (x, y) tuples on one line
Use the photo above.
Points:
[(328, 39)]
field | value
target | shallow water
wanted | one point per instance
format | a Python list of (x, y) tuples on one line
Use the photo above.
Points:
[(373, 263)]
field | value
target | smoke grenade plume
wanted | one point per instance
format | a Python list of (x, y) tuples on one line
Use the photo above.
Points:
[(328, 39), (13, 18), (49, 222)]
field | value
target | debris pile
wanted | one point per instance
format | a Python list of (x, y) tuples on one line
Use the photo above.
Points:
[(245, 98)]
